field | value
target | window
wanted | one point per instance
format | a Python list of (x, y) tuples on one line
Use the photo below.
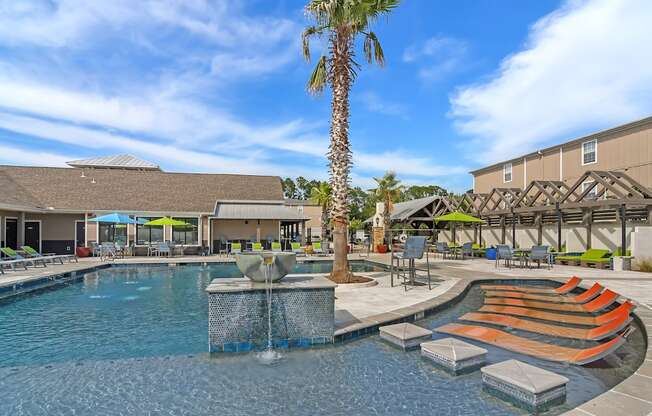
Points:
[(589, 152), (593, 192), (116, 233), (186, 234), (507, 172), (148, 233)]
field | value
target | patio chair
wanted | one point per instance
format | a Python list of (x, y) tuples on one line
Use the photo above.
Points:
[(163, 248), (297, 249), (443, 249), (95, 248), (505, 252), (11, 254), (467, 250), (276, 247), (414, 249), (257, 248), (540, 254), (317, 249), (108, 251), (236, 248), (31, 253)]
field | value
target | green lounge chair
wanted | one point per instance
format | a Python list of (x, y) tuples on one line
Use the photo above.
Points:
[(276, 247), (317, 249), (478, 250), (13, 255), (297, 249), (236, 248), (256, 248), (31, 253), (593, 257)]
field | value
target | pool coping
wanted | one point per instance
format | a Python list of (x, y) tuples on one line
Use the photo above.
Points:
[(634, 389)]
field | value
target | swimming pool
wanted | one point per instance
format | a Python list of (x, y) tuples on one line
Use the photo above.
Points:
[(133, 340)]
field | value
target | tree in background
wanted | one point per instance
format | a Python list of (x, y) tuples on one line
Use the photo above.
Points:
[(388, 191), (341, 22), (322, 195), (422, 191), (289, 189)]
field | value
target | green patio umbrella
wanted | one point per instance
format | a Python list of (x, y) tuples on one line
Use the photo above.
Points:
[(455, 217), (167, 221)]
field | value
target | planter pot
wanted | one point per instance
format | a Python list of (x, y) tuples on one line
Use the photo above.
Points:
[(381, 248), (622, 263), (83, 252)]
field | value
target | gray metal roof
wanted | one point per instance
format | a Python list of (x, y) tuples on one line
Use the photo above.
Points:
[(116, 162), (249, 211)]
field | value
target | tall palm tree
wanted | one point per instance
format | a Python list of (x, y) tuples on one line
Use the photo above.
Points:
[(322, 196), (388, 191), (341, 22)]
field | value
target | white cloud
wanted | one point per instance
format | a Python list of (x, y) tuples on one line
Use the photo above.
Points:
[(403, 164), (587, 64), (30, 157), (437, 57), (374, 103)]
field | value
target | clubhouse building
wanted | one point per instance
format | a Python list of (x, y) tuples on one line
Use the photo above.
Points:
[(52, 209)]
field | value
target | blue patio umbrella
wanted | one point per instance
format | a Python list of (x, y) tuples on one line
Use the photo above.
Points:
[(116, 218)]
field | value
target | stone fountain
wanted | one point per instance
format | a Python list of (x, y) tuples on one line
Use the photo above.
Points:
[(290, 310)]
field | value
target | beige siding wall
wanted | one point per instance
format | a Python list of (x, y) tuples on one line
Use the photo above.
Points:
[(629, 151), (238, 230), (56, 226)]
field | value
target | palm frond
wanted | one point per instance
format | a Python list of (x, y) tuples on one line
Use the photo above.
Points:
[(319, 77), (305, 39), (379, 55)]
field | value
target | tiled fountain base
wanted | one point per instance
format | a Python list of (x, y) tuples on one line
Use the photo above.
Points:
[(302, 313)]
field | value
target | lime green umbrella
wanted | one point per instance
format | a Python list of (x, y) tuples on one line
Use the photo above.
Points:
[(455, 217), (167, 221)]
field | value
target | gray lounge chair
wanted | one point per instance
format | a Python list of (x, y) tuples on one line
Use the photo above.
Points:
[(12, 264), (11, 254), (51, 257), (163, 249)]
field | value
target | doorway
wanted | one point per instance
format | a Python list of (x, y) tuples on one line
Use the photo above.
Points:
[(80, 234), (33, 234), (11, 233)]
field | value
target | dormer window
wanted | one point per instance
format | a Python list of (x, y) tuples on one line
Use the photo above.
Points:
[(507, 172), (589, 152)]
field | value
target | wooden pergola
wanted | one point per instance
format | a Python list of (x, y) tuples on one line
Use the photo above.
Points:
[(597, 196)]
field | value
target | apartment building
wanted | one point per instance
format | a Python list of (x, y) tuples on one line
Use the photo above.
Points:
[(626, 148)]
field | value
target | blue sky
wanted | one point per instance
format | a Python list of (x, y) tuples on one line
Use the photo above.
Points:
[(219, 86)]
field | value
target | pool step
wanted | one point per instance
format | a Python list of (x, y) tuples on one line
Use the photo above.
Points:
[(404, 335)]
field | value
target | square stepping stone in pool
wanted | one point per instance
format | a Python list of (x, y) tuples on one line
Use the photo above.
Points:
[(525, 385), (454, 355), (404, 335)]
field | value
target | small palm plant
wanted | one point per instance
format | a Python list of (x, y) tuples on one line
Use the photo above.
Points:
[(322, 196), (341, 22), (388, 191)]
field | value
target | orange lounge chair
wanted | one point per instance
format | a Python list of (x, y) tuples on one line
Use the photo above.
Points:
[(604, 300), (583, 297), (594, 334), (625, 308), (527, 346), (571, 284)]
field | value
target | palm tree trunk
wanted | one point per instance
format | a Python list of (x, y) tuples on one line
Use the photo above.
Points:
[(339, 154), (324, 223)]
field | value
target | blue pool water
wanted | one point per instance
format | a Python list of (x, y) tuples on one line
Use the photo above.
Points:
[(133, 340)]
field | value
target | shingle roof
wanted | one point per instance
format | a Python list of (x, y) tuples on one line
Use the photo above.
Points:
[(130, 190), (115, 161)]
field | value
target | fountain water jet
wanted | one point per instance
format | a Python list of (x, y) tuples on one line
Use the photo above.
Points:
[(269, 356)]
